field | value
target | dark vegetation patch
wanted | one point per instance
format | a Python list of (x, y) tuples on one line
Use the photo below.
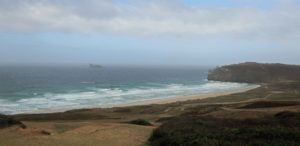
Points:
[(202, 110), (164, 119), (287, 115), (44, 132), (280, 129), (123, 110), (6, 121), (153, 109), (269, 104), (78, 110), (80, 115), (140, 122)]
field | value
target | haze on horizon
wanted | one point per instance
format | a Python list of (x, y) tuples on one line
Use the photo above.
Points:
[(149, 32)]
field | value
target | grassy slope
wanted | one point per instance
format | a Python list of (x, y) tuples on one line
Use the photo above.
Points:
[(75, 133), (202, 130), (259, 121)]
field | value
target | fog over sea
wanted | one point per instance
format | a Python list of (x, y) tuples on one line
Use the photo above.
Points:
[(45, 89)]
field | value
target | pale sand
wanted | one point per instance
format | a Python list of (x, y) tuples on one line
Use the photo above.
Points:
[(185, 98)]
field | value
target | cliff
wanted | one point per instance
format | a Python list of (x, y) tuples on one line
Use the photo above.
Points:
[(251, 72)]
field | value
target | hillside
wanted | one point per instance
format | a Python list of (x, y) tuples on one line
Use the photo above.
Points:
[(251, 72)]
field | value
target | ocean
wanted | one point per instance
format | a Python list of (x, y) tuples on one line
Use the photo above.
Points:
[(45, 89)]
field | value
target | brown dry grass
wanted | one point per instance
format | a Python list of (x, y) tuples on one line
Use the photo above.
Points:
[(92, 133)]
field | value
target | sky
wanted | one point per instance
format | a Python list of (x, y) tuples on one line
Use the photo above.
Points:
[(149, 32)]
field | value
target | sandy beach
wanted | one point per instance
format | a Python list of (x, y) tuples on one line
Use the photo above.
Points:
[(185, 98)]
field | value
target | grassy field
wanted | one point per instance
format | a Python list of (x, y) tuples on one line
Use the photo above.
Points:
[(75, 133)]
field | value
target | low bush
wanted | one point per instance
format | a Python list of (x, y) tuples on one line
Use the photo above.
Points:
[(204, 131), (140, 122)]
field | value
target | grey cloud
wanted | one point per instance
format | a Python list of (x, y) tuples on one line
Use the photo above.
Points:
[(150, 18)]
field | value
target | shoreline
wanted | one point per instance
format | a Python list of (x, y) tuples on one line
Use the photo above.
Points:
[(183, 98), (144, 102)]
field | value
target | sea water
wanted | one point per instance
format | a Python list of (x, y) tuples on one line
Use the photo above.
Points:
[(45, 89)]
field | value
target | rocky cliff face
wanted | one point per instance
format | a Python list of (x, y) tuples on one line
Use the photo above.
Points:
[(251, 72)]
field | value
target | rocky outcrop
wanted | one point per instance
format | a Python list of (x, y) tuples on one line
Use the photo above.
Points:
[(251, 72)]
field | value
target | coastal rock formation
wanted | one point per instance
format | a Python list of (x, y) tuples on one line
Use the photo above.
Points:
[(251, 72)]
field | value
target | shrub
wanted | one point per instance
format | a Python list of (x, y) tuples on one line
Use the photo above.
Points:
[(140, 122), (203, 131)]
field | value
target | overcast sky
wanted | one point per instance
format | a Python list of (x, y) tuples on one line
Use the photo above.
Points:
[(149, 32)]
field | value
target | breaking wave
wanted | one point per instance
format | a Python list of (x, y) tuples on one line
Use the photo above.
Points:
[(104, 97)]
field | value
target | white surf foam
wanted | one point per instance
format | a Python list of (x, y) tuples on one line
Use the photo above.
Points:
[(104, 97)]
